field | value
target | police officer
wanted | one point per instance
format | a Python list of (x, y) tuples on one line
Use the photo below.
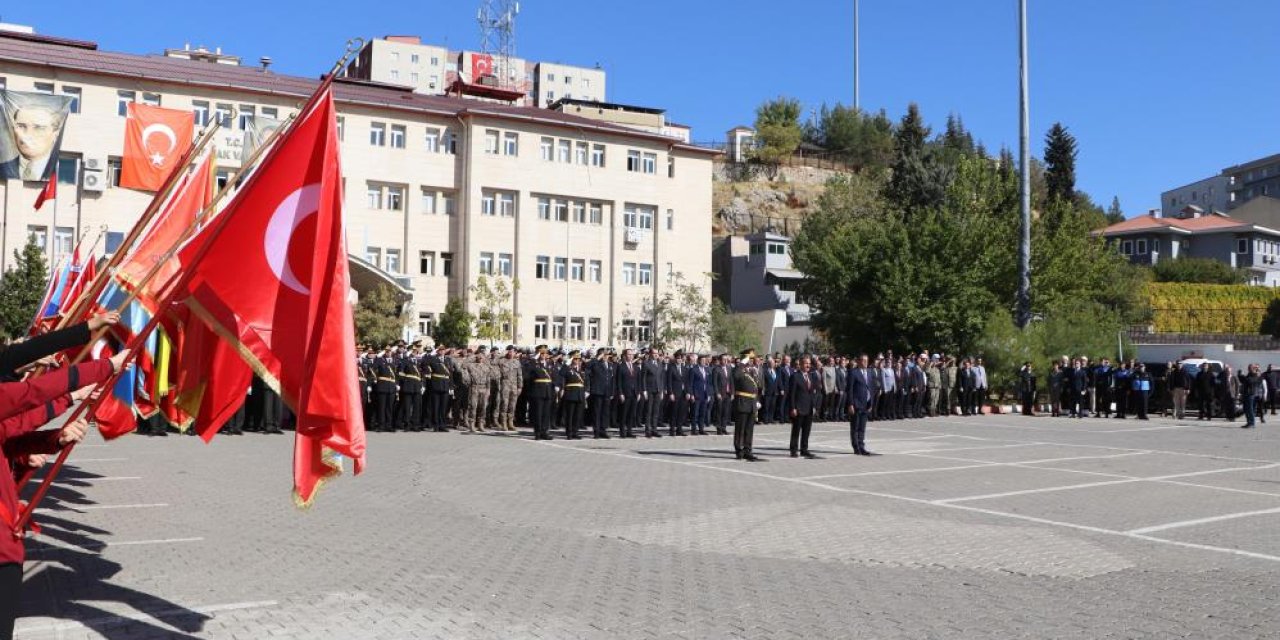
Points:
[(573, 396), (746, 393)]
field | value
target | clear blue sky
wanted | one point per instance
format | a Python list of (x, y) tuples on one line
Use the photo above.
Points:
[(1158, 92)]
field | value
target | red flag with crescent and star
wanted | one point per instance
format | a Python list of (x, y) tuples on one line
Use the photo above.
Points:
[(155, 139), (269, 276)]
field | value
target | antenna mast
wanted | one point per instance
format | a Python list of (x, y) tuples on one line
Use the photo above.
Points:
[(497, 20)]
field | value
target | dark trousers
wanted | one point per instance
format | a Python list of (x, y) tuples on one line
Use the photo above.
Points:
[(540, 415), (679, 414), (701, 415), (1273, 398), (382, 401), (1028, 399), (1104, 401), (10, 596), (725, 407), (966, 402), (781, 409), (272, 411), (630, 418), (410, 410), (1250, 410), (1140, 399), (858, 431), (574, 413), (600, 415), (1228, 405), (744, 428), (439, 410), (1206, 406), (652, 413), (770, 410), (800, 427)]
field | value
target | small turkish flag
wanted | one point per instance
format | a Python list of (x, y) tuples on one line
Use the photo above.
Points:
[(155, 139), (50, 190), (271, 278)]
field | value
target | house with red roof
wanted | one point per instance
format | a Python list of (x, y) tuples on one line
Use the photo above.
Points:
[(1192, 232)]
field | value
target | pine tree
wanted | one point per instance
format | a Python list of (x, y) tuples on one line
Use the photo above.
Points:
[(454, 327), (1060, 163), (912, 132), (21, 288), (1114, 213), (956, 137), (920, 178)]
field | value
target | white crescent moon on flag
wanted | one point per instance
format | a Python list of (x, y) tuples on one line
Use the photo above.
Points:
[(291, 211), (163, 129)]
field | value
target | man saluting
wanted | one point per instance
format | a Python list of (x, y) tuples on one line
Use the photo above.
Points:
[(746, 391)]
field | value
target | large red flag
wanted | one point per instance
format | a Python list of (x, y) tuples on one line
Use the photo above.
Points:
[(155, 139), (50, 190), (189, 198), (271, 278)]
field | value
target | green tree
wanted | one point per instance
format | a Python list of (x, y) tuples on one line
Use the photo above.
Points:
[(453, 328), (1200, 270), (920, 178), (21, 288), (1114, 212), (495, 320), (731, 332), (863, 140), (956, 138), (380, 318), (778, 131), (1060, 163)]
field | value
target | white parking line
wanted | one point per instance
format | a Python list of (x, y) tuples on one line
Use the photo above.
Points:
[(1006, 494), (1191, 523), (898, 471), (1175, 426), (992, 446)]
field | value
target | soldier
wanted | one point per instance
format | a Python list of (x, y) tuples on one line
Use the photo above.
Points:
[(540, 387), (510, 381), (441, 383), (677, 394), (947, 378), (464, 389), (384, 390), (626, 389), (573, 397), (364, 380), (410, 378), (600, 388), (933, 383), (746, 392), (478, 398)]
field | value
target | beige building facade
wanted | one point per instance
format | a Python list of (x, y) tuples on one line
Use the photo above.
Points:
[(594, 220)]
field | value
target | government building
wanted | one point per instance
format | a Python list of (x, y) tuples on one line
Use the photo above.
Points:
[(594, 208)]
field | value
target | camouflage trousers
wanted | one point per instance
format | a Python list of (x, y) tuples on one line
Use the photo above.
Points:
[(504, 415), (477, 409)]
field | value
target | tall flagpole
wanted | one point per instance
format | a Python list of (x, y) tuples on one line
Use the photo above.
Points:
[(1023, 316), (857, 97)]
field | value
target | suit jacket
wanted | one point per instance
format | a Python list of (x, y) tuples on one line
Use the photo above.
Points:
[(860, 388), (626, 380), (967, 381), (784, 379), (828, 379), (721, 381), (654, 377), (676, 377), (772, 383), (600, 377), (698, 382), (804, 392)]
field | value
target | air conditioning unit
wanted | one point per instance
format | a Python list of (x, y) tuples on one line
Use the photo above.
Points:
[(632, 236), (95, 181), (95, 164)]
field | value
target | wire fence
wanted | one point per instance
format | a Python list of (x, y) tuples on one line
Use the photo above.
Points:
[(1201, 320)]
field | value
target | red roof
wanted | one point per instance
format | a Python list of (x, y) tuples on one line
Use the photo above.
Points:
[(135, 69), (1203, 224)]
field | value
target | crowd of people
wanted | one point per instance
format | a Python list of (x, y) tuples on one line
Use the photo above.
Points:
[(1078, 388)]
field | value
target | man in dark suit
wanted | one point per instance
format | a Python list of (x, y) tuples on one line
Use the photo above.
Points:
[(722, 389), (699, 387), (653, 374), (966, 387), (1205, 383), (804, 396), (626, 389), (600, 386), (677, 394), (860, 390), (782, 408), (769, 375), (746, 396)]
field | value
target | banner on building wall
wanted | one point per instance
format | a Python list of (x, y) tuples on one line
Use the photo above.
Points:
[(155, 139), (481, 65), (31, 127), (258, 129)]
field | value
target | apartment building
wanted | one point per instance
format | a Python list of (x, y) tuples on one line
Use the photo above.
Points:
[(592, 218)]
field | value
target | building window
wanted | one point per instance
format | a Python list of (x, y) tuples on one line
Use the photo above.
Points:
[(542, 268), (561, 268), (595, 271), (222, 114), (671, 272), (200, 109), (449, 203), (63, 238), (646, 274), (671, 219), (428, 200), (123, 98), (511, 143), (540, 327), (597, 155), (114, 166), (633, 160), (487, 204), (73, 93), (1141, 245), (628, 273), (593, 329), (245, 119), (1242, 246), (427, 263), (507, 204), (546, 149), (433, 81), (544, 208), (151, 99), (397, 136), (551, 77), (413, 58), (395, 198), (577, 270), (504, 264), (395, 56), (644, 331), (580, 212), (378, 134), (597, 213), (777, 249), (562, 148), (650, 163), (637, 217), (557, 328), (446, 264), (413, 78), (44, 87), (373, 255), (426, 323), (393, 261), (39, 235), (629, 217), (270, 112), (575, 329), (1126, 247), (562, 211), (491, 142), (374, 194), (580, 153), (486, 263), (342, 121), (114, 240), (433, 140), (671, 166), (628, 330)]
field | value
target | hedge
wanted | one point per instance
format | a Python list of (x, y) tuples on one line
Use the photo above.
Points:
[(1179, 307)]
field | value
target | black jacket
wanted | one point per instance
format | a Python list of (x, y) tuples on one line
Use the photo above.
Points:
[(804, 396)]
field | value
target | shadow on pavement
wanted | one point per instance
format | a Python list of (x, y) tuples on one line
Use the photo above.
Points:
[(66, 576)]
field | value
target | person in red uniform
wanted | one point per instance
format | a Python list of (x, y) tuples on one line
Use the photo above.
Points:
[(24, 408)]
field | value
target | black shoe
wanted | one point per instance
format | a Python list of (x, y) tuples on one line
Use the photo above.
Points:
[(869, 453), (810, 456), (794, 454), (750, 457)]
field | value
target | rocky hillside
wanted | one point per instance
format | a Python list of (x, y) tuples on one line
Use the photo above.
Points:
[(748, 202)]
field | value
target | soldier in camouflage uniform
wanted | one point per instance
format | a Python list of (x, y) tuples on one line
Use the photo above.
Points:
[(464, 383), (510, 381), (478, 398)]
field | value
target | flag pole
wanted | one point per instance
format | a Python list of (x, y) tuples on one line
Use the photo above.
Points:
[(71, 286), (353, 47)]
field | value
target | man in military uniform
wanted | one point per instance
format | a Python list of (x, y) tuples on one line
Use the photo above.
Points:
[(510, 381), (746, 393), (441, 382), (573, 396), (540, 386), (677, 394), (384, 390), (478, 396), (409, 416), (933, 384), (600, 386), (626, 388)]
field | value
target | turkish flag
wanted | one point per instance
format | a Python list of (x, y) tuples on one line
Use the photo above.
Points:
[(211, 379), (155, 139), (270, 277), (50, 190), (168, 229), (481, 65)]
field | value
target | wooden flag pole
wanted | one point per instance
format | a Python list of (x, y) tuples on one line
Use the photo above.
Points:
[(353, 46)]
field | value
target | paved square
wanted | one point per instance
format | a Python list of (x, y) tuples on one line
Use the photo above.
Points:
[(991, 527)]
